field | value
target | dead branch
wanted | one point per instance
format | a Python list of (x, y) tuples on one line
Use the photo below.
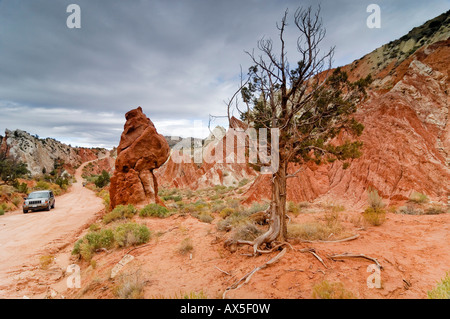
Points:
[(222, 271), (312, 251), (238, 284), (331, 241), (347, 255)]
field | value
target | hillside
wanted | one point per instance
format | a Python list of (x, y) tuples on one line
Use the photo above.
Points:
[(407, 127), (41, 155)]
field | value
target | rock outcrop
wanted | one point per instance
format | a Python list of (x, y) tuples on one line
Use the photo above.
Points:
[(42, 154), (141, 150), (406, 136), (211, 163)]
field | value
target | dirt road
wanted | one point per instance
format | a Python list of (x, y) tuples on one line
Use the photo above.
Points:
[(24, 237)]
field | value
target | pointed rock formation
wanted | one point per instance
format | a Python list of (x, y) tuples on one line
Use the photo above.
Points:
[(141, 150)]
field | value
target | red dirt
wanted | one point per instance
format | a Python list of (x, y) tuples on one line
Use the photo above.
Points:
[(411, 249)]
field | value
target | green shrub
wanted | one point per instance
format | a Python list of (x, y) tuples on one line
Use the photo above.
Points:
[(42, 185), (418, 198), (2, 212), (120, 212), (131, 234), (154, 210), (204, 217), (442, 289), (224, 213), (374, 216), (22, 188)]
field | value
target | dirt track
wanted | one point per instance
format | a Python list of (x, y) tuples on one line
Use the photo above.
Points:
[(23, 237)]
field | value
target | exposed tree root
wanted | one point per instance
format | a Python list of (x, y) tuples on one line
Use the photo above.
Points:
[(312, 251), (331, 241), (238, 284), (347, 255)]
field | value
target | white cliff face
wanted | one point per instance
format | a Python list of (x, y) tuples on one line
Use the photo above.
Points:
[(38, 153)]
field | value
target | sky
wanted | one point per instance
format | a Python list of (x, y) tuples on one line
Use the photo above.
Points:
[(180, 60)]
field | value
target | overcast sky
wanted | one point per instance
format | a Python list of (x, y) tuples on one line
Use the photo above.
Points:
[(179, 60)]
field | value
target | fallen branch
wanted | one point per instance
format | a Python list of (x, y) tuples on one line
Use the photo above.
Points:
[(238, 284), (312, 251), (222, 271), (346, 255), (331, 241)]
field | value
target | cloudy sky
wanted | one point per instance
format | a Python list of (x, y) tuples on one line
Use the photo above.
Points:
[(178, 59)]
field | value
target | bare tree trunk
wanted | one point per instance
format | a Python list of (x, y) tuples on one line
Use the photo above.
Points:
[(278, 209)]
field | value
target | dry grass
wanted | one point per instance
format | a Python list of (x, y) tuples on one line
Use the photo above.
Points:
[(46, 261), (333, 290), (130, 286), (186, 246), (374, 216)]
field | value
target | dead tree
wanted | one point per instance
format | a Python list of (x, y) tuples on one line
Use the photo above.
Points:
[(308, 104)]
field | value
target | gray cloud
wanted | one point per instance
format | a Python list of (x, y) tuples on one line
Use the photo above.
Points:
[(179, 60)]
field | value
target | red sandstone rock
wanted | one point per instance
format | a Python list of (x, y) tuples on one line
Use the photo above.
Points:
[(141, 150)]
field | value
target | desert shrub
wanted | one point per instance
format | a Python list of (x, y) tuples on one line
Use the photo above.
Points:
[(224, 213), (246, 231), (22, 188), (374, 216), (442, 289), (129, 286), (120, 212), (375, 200), (418, 198), (92, 241), (131, 234), (257, 207), (154, 210), (16, 201), (102, 180), (332, 229), (418, 209), (218, 206), (46, 261), (436, 210), (186, 246), (243, 182), (2, 211), (42, 185), (333, 290), (205, 217)]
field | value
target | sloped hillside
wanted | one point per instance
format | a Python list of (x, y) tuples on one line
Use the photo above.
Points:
[(407, 128), (41, 155)]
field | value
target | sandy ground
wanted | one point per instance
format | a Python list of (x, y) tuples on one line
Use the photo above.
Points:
[(26, 237), (413, 251)]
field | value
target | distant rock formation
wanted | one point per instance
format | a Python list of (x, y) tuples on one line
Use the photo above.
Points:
[(141, 150), (407, 130), (42, 154)]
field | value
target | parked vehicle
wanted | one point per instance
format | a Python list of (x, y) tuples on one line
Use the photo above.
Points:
[(39, 200)]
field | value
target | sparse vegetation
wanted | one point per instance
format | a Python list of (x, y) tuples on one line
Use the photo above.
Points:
[(124, 235), (375, 214), (186, 246), (331, 290), (442, 289), (120, 212), (130, 286), (154, 210), (46, 261), (418, 198)]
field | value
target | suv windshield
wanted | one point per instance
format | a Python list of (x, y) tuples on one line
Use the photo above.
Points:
[(38, 195)]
